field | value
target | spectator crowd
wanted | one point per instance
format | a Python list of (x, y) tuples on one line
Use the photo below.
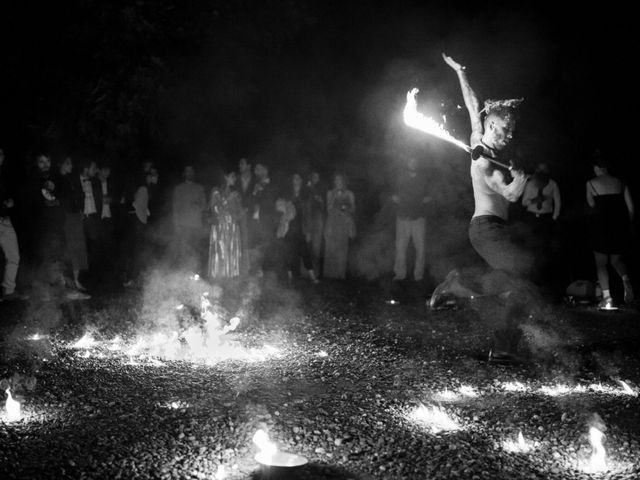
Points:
[(78, 223)]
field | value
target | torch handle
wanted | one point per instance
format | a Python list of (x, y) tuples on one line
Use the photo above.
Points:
[(493, 160), (497, 162)]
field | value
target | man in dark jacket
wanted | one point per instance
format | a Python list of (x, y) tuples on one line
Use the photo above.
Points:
[(92, 210), (410, 199)]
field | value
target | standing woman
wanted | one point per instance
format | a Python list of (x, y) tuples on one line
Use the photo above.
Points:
[(314, 211), (224, 239), (296, 236), (611, 221), (339, 228), (139, 214), (71, 198)]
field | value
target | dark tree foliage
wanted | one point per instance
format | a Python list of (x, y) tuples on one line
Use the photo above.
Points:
[(97, 76)]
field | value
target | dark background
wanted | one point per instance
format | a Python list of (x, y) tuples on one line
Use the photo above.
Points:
[(301, 84)]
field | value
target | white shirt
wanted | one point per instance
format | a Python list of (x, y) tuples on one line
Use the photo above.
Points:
[(550, 203), (89, 201), (106, 208)]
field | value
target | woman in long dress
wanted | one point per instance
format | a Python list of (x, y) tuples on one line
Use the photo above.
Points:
[(71, 199), (224, 239), (298, 250), (611, 221), (340, 227)]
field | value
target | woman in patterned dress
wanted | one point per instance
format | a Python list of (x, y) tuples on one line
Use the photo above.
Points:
[(224, 239)]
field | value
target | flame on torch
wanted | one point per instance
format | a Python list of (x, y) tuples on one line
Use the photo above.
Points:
[(417, 120), (12, 406)]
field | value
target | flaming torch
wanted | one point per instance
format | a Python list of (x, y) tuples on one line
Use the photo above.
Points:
[(417, 120), (13, 407)]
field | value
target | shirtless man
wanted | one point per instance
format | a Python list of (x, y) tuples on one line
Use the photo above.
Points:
[(488, 229)]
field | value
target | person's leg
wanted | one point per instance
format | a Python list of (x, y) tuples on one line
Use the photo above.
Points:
[(292, 254), (244, 245), (492, 241), (92, 238), (330, 268), (403, 234), (418, 233), (9, 245), (621, 268), (307, 259), (76, 246), (603, 274), (317, 227)]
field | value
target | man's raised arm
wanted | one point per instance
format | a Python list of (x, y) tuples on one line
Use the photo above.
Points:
[(470, 98)]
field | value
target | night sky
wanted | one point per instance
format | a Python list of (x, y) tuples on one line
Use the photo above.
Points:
[(305, 83)]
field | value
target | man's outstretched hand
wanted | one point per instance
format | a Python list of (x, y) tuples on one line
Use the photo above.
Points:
[(452, 63)]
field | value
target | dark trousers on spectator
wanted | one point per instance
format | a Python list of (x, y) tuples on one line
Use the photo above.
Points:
[(189, 248), (9, 247), (297, 250), (316, 245), (94, 236), (133, 248)]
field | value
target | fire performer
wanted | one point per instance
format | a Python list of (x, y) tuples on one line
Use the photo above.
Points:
[(492, 130)]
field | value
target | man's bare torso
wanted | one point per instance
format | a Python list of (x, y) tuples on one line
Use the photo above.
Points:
[(487, 201)]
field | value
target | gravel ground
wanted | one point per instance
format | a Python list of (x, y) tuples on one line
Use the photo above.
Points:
[(343, 378)]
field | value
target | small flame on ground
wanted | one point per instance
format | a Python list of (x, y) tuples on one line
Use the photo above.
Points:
[(322, 354), (36, 337), (514, 387), (221, 473), (233, 324), (12, 407), (598, 460), (433, 417), (446, 395), (517, 446), (87, 341), (560, 389), (267, 449), (468, 391), (201, 343), (627, 389), (115, 344)]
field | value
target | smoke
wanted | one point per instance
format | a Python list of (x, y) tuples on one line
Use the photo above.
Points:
[(372, 256)]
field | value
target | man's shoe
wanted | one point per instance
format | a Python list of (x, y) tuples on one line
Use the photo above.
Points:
[(441, 294), (76, 295), (606, 304), (10, 297)]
